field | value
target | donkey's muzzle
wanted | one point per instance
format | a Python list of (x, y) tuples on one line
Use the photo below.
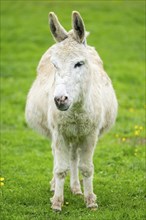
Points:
[(62, 102)]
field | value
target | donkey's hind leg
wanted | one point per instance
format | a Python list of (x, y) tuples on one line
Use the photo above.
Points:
[(52, 182)]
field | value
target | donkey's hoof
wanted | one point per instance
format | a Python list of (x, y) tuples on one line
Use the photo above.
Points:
[(56, 208), (76, 191), (91, 201), (57, 203), (93, 206)]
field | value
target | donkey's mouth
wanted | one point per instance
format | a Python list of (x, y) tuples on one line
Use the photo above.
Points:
[(62, 107)]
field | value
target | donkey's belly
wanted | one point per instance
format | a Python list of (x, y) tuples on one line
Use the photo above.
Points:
[(36, 110)]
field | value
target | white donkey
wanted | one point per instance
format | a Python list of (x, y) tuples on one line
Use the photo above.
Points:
[(72, 101)]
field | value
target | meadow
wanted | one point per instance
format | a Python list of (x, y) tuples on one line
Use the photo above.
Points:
[(117, 31)]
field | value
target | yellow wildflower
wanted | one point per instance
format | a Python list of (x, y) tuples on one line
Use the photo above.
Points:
[(141, 128), (136, 133), (136, 126), (1, 181), (123, 139), (131, 109)]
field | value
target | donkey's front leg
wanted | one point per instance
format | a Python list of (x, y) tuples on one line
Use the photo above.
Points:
[(87, 169), (60, 172), (74, 176)]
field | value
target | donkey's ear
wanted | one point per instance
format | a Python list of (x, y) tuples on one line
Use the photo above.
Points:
[(78, 27), (58, 32)]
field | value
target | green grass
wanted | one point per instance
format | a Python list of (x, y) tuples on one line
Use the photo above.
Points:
[(117, 32)]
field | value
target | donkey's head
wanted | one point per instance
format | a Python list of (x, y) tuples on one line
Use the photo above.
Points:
[(70, 59)]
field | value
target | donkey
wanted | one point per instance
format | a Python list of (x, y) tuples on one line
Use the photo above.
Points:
[(72, 101)]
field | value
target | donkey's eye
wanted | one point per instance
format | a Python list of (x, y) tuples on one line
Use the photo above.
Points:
[(78, 64), (55, 65)]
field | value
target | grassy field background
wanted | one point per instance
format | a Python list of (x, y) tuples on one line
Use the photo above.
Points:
[(117, 32)]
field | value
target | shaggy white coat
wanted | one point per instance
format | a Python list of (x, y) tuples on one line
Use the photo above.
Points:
[(92, 107)]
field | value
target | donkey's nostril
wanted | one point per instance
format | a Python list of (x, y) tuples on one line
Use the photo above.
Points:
[(61, 100), (57, 100), (64, 98)]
